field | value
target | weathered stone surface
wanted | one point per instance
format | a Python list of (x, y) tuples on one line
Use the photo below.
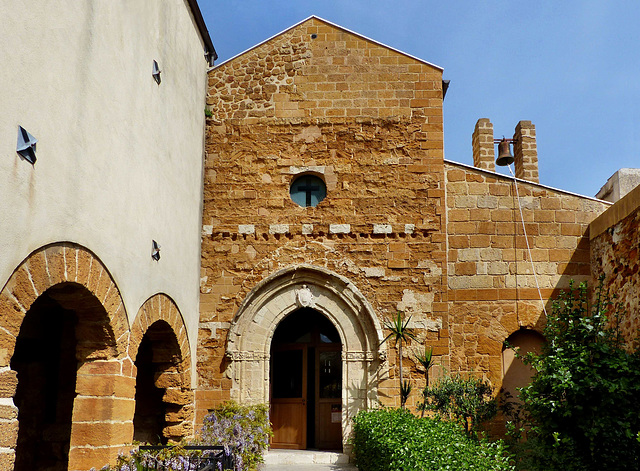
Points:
[(370, 124), (8, 434), (95, 409), (7, 460), (101, 434), (614, 255), (8, 412), (8, 382), (82, 458), (176, 396)]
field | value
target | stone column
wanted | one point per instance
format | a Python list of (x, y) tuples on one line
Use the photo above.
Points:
[(483, 148), (525, 152), (102, 423)]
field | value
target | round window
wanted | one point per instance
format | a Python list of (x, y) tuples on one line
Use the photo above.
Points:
[(308, 190)]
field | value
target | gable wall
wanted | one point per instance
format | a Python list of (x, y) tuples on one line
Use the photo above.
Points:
[(369, 121)]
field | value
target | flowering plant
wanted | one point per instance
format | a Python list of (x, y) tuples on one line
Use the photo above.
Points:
[(243, 431)]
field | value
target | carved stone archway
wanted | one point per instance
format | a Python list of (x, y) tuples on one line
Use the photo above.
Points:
[(76, 280), (160, 322), (334, 296)]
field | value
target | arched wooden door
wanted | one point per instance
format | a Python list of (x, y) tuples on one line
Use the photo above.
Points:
[(306, 383)]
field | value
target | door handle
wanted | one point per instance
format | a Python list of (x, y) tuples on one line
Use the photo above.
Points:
[(304, 402)]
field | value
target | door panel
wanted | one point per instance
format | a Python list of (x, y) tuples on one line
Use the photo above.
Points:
[(289, 421), (328, 398), (289, 397)]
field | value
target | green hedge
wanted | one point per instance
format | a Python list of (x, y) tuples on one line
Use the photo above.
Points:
[(395, 439)]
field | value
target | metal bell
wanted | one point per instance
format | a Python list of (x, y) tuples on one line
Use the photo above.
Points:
[(504, 153)]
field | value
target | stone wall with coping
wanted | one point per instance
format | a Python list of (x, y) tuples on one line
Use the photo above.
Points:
[(615, 243), (492, 288)]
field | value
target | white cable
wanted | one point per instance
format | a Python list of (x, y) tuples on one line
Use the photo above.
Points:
[(524, 230)]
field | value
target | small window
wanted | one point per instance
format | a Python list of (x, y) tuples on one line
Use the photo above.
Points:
[(308, 190)]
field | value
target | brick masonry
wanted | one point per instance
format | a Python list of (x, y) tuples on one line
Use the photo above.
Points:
[(492, 288)]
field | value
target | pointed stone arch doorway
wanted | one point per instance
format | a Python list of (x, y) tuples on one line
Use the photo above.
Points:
[(316, 290)]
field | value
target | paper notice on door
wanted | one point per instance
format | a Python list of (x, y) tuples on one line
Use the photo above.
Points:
[(336, 413)]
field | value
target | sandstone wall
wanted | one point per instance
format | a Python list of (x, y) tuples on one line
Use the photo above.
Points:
[(615, 240), (492, 289), (368, 120)]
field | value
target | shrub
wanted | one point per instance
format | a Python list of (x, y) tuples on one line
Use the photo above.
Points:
[(467, 401), (175, 458), (583, 404), (395, 439)]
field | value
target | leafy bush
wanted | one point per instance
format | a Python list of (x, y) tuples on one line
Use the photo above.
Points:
[(395, 439), (243, 431), (467, 401), (583, 404)]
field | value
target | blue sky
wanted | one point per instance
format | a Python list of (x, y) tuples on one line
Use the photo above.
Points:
[(571, 67)]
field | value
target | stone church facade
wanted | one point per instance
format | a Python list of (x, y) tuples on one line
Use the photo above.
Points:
[(320, 207), (401, 229)]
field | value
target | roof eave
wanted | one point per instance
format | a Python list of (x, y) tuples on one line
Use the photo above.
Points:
[(209, 51)]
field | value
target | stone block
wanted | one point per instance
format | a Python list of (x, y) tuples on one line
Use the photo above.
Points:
[(339, 228), (374, 272), (8, 434), (278, 229), (100, 434), (7, 459), (56, 264), (176, 396), (84, 458), (246, 229), (168, 379), (118, 386), (8, 382), (98, 409), (382, 229), (98, 367)]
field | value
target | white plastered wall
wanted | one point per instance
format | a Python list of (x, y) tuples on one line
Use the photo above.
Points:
[(120, 158)]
